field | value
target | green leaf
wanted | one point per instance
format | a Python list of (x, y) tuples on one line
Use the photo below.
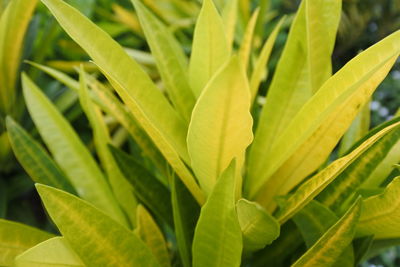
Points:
[(15, 238), (96, 238), (247, 42), (326, 251), (148, 105), (151, 192), (218, 237), (310, 189), (35, 160), (149, 232), (14, 23), (210, 48), (380, 216), (69, 152), (229, 18), (313, 221), (50, 253), (304, 66), (121, 187), (260, 69), (259, 228), (346, 185), (221, 124), (306, 142), (170, 58), (186, 212)]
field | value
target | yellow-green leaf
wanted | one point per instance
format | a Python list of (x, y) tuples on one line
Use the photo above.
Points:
[(221, 124), (69, 151), (54, 252), (218, 237), (247, 42), (326, 251), (229, 18), (151, 234), (96, 238), (210, 48), (381, 214), (259, 228), (15, 238)]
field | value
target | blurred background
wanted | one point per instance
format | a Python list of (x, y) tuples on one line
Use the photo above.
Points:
[(363, 23)]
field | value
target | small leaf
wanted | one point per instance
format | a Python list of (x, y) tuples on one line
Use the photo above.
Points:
[(50, 253), (326, 251), (210, 48), (35, 160), (221, 124), (247, 42), (69, 152), (218, 237), (149, 232), (96, 238), (259, 228), (15, 238), (229, 18)]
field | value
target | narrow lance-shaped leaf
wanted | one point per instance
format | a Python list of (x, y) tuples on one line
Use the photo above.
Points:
[(380, 216), (247, 42), (69, 152), (303, 67), (306, 142), (15, 238), (210, 48), (218, 237), (148, 105), (313, 221), (35, 160), (186, 212), (152, 236), (310, 189), (121, 187), (229, 18), (13, 25), (96, 238), (326, 251), (221, 124), (170, 58), (259, 228), (260, 69), (50, 253)]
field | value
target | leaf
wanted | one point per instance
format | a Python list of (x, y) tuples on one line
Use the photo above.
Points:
[(35, 160), (53, 252), (331, 245), (68, 151), (259, 228), (361, 248), (221, 124), (152, 236), (310, 189), (96, 238), (185, 212), (151, 192), (345, 185), (121, 187), (358, 129), (304, 66), (210, 48), (311, 140), (380, 216), (313, 221), (229, 19), (14, 23), (15, 238), (145, 101), (170, 58), (247, 42), (261, 64), (218, 237)]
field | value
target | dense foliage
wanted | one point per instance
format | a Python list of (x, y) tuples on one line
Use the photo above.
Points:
[(225, 135)]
